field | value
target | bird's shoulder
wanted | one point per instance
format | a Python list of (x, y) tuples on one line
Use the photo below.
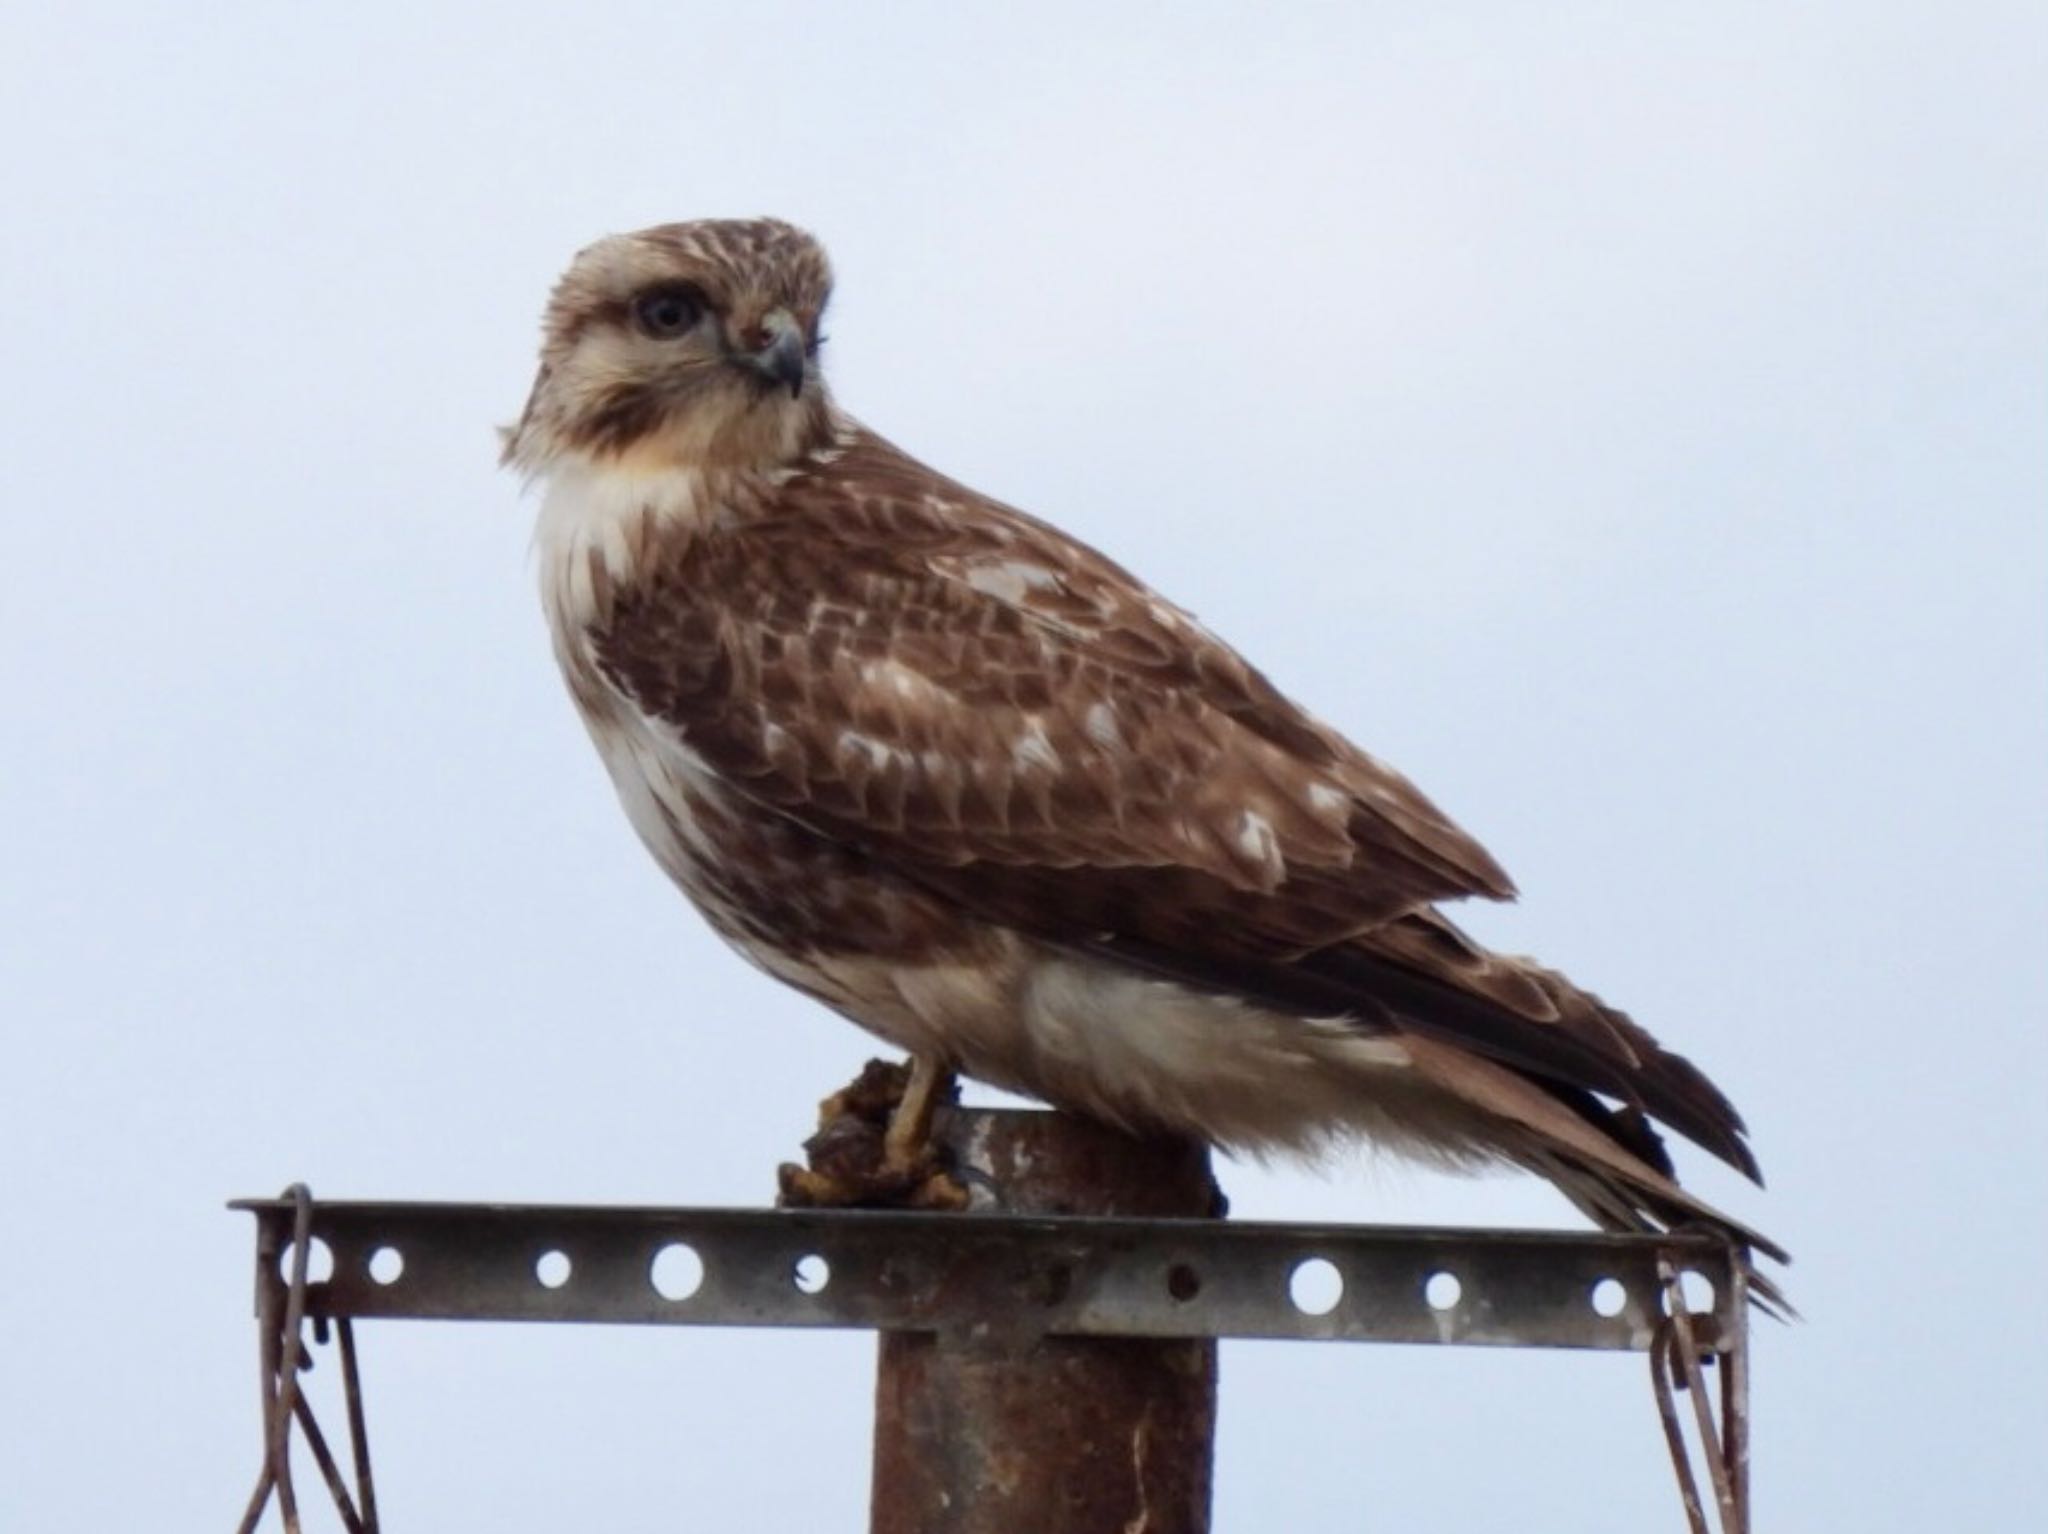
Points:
[(864, 537), (874, 641)]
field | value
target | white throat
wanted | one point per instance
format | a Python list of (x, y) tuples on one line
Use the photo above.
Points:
[(597, 526)]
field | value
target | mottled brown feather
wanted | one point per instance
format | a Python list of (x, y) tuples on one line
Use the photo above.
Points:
[(974, 702)]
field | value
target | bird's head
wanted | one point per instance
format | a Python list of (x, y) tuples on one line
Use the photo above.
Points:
[(686, 345)]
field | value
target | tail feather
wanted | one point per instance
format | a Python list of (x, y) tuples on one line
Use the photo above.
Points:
[(1572, 1047), (1597, 1198), (1613, 1186), (1568, 1084)]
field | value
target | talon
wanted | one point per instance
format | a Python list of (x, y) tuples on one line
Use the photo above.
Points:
[(873, 1145), (798, 1187), (941, 1190)]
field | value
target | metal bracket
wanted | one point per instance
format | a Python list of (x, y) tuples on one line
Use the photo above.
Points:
[(1069, 1276), (1018, 1277)]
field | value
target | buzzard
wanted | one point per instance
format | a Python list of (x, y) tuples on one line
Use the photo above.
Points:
[(985, 793)]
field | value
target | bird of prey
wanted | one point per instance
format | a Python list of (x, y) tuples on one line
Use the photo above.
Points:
[(976, 787)]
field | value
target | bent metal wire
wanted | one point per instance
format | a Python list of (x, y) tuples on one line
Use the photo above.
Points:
[(1023, 1275)]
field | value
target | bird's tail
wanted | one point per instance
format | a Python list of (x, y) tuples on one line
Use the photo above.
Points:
[(1607, 1162)]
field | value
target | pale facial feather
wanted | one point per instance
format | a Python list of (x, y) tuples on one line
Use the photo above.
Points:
[(607, 393)]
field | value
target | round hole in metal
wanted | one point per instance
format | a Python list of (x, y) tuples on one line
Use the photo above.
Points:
[(319, 1261), (1442, 1290), (677, 1271), (1315, 1286), (1698, 1290)]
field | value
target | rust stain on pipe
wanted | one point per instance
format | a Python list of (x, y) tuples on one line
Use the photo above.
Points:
[(994, 1429)]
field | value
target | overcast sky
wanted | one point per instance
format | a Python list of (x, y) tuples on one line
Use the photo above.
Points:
[(1629, 420)]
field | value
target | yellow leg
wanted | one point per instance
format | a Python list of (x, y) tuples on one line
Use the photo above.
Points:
[(908, 1138)]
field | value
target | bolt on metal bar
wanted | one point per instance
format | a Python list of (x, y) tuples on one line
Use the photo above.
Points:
[(1034, 1274)]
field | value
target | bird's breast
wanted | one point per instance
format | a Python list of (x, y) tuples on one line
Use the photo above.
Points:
[(603, 526), (809, 909)]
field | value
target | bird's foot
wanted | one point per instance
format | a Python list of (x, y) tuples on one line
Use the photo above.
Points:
[(874, 1147), (874, 1186)]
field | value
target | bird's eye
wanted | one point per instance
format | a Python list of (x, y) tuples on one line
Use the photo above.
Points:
[(668, 311)]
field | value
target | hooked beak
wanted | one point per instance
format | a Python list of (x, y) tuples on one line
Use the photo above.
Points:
[(776, 348)]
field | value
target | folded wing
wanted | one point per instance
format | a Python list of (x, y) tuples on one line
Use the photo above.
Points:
[(982, 705)]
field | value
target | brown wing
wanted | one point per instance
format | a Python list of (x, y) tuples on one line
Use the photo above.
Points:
[(953, 686), (985, 706)]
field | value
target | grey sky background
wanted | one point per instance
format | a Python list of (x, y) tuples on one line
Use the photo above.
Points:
[(1628, 420)]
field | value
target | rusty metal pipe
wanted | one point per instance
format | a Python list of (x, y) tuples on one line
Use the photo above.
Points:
[(996, 1429)]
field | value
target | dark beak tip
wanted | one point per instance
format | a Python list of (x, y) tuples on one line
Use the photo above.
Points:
[(784, 361)]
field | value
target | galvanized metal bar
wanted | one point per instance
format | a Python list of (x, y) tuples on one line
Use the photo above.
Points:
[(1070, 1275), (1047, 1355)]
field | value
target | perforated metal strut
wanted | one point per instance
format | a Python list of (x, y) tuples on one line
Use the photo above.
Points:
[(1065, 1276), (1046, 1360)]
